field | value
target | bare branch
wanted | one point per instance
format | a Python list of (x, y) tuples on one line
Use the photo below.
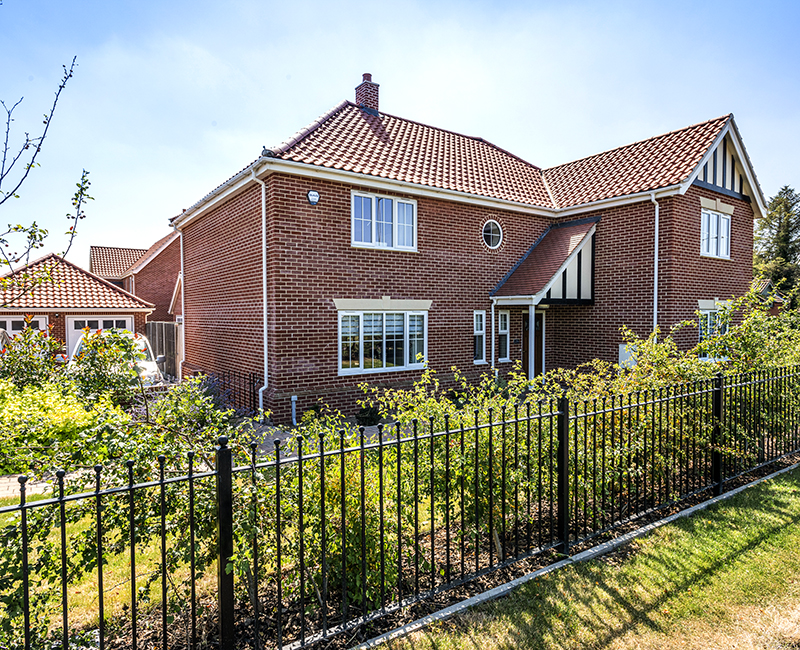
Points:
[(35, 143)]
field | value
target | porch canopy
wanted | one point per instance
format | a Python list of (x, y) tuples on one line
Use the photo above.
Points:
[(557, 269)]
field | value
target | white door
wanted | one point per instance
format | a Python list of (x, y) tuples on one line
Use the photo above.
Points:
[(76, 324)]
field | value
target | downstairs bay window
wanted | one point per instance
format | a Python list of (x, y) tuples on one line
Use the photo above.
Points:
[(378, 341)]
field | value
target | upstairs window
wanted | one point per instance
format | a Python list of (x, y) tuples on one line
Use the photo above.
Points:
[(715, 234), (383, 222)]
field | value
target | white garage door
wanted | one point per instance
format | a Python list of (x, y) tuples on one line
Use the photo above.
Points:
[(75, 325)]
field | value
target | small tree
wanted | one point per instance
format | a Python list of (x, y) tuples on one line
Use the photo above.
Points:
[(18, 241)]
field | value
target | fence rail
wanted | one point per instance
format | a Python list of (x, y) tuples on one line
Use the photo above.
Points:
[(326, 534)]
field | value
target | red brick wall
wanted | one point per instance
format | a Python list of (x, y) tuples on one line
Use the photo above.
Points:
[(311, 262), (222, 285), (624, 277), (155, 283)]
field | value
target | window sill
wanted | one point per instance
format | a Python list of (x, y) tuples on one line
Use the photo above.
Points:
[(367, 247), (374, 371), (480, 363), (504, 361), (714, 257)]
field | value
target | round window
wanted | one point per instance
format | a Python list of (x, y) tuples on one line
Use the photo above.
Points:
[(492, 234)]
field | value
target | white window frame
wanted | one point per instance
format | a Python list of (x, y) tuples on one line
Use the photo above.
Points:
[(360, 370), (483, 234), (8, 318), (712, 242), (504, 331), (707, 330), (374, 199), (479, 329)]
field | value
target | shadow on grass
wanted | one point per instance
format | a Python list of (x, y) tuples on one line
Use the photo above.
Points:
[(593, 605)]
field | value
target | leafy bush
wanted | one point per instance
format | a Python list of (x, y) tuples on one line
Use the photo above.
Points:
[(30, 357), (106, 364)]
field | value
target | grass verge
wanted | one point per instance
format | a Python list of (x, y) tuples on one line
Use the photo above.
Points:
[(729, 577)]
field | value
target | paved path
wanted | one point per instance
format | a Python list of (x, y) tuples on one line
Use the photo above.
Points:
[(9, 487)]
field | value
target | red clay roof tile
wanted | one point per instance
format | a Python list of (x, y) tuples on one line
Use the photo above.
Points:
[(351, 139), (71, 288), (111, 262), (650, 164), (537, 267)]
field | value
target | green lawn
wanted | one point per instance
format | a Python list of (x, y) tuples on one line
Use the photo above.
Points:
[(729, 577)]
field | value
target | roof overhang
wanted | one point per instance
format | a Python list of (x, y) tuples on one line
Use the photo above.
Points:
[(142, 263), (265, 166), (176, 292), (77, 310), (743, 157)]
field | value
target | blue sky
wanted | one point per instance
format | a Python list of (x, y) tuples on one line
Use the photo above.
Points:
[(171, 98)]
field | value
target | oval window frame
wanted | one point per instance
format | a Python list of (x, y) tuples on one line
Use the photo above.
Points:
[(484, 234)]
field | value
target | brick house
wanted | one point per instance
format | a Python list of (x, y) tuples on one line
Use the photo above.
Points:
[(151, 274), (368, 244), (72, 299)]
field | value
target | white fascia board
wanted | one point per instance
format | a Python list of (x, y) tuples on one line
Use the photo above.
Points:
[(178, 287), (750, 174), (516, 301), (616, 201), (227, 190), (139, 266), (744, 159), (391, 185), (74, 310), (264, 166)]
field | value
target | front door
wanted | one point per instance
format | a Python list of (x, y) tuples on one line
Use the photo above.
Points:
[(538, 344)]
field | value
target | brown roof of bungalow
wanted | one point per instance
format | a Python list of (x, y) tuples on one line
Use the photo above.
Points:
[(651, 164), (111, 262), (67, 286)]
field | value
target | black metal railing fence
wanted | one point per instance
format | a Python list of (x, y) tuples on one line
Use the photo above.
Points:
[(332, 531)]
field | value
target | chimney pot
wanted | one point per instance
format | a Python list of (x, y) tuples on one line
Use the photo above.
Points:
[(367, 77)]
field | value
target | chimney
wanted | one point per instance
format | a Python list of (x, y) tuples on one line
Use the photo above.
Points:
[(367, 93)]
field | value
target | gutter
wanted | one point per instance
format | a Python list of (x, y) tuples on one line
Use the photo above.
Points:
[(655, 264), (263, 286), (235, 184)]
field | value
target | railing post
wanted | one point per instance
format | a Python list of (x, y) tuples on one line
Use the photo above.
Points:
[(225, 543), (716, 435), (563, 474)]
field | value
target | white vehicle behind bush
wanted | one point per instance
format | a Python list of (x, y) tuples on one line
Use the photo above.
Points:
[(147, 366)]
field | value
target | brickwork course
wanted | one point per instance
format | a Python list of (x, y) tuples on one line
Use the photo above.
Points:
[(457, 184)]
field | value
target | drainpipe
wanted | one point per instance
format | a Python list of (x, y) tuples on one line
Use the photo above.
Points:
[(493, 366), (183, 312), (263, 281), (655, 265)]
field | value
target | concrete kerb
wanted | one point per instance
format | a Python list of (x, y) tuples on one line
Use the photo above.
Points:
[(590, 554)]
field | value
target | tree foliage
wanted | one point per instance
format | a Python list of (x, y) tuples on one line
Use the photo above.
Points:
[(777, 241)]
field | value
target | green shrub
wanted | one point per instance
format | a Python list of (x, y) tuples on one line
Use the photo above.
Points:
[(30, 357)]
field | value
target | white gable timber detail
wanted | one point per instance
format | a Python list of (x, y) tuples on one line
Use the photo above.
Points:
[(727, 144)]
